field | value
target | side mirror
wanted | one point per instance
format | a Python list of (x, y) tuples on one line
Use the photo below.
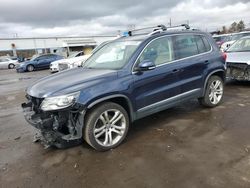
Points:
[(145, 65)]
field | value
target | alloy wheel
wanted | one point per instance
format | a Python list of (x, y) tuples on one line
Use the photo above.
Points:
[(215, 92), (110, 127)]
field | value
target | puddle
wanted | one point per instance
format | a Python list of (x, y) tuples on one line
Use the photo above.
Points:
[(9, 81)]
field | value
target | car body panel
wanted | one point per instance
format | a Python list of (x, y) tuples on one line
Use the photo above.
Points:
[(238, 57), (5, 62)]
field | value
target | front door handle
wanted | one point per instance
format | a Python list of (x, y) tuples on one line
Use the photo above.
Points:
[(175, 70)]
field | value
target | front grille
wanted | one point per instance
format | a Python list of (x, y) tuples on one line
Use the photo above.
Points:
[(63, 66)]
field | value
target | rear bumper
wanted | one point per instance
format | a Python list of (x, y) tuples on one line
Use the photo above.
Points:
[(238, 71)]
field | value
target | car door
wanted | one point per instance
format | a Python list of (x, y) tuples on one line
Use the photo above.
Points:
[(191, 51), (153, 89), (43, 62), (50, 59)]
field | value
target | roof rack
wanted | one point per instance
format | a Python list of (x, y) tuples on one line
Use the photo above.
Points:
[(156, 29)]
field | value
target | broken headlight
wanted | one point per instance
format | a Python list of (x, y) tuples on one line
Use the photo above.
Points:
[(59, 102)]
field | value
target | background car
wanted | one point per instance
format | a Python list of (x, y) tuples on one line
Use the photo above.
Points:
[(8, 63), (72, 62), (221, 39), (234, 37), (54, 65), (238, 60), (38, 62)]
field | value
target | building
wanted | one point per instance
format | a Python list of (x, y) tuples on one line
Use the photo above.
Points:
[(27, 47)]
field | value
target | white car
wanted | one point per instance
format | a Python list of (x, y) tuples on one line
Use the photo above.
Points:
[(72, 62), (7, 63), (54, 66)]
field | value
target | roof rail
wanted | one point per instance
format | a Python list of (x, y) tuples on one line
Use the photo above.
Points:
[(156, 29)]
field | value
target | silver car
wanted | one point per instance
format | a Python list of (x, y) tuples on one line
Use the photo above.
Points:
[(7, 63), (238, 60)]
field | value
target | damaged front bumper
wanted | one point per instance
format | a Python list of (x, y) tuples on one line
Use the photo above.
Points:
[(238, 71), (62, 128)]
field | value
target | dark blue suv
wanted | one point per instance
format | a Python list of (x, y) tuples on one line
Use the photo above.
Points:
[(129, 78)]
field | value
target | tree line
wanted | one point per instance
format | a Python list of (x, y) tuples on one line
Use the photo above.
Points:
[(234, 27)]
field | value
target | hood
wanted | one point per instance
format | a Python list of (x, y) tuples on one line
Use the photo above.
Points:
[(58, 61), (238, 57), (26, 62), (69, 81)]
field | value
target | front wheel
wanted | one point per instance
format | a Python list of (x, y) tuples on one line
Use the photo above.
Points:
[(106, 126), (11, 66), (30, 68), (214, 92)]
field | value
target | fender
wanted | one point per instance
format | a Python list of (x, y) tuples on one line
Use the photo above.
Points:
[(131, 114)]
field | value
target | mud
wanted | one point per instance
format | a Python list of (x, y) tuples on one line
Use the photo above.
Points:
[(186, 146)]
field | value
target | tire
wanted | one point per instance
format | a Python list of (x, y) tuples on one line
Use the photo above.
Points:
[(11, 66), (214, 92), (99, 126), (30, 68)]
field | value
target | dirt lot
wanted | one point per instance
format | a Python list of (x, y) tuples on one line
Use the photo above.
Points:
[(186, 146)]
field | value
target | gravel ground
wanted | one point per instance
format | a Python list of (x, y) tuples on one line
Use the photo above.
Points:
[(186, 146)]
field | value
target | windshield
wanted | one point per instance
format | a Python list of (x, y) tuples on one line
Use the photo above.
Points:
[(221, 38), (34, 57), (73, 55), (113, 55), (240, 46)]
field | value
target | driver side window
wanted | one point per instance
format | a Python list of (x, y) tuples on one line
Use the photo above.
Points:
[(159, 51)]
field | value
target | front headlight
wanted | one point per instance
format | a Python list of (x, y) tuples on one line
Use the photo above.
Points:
[(59, 102), (76, 64)]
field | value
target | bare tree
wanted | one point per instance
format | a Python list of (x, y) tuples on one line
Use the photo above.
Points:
[(224, 30), (233, 27), (240, 26)]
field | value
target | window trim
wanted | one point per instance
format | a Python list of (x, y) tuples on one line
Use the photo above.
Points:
[(211, 49)]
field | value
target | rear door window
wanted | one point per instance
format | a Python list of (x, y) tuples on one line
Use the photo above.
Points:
[(202, 44), (185, 46), (190, 45)]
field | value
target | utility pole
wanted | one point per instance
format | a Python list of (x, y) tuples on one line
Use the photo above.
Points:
[(170, 22)]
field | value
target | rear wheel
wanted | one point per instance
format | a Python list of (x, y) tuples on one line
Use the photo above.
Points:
[(106, 126), (30, 68), (11, 66), (214, 92)]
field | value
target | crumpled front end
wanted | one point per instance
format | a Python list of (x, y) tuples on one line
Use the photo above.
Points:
[(238, 71), (61, 128)]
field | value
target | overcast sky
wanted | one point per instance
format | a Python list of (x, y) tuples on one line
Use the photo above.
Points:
[(31, 18)]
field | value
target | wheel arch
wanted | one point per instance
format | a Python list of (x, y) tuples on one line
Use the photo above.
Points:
[(221, 73), (120, 99)]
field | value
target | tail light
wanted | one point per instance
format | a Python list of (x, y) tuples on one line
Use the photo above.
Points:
[(224, 55)]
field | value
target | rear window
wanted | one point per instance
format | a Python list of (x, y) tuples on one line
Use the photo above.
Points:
[(190, 45)]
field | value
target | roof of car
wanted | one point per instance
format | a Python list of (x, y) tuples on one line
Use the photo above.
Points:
[(246, 37), (146, 36)]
